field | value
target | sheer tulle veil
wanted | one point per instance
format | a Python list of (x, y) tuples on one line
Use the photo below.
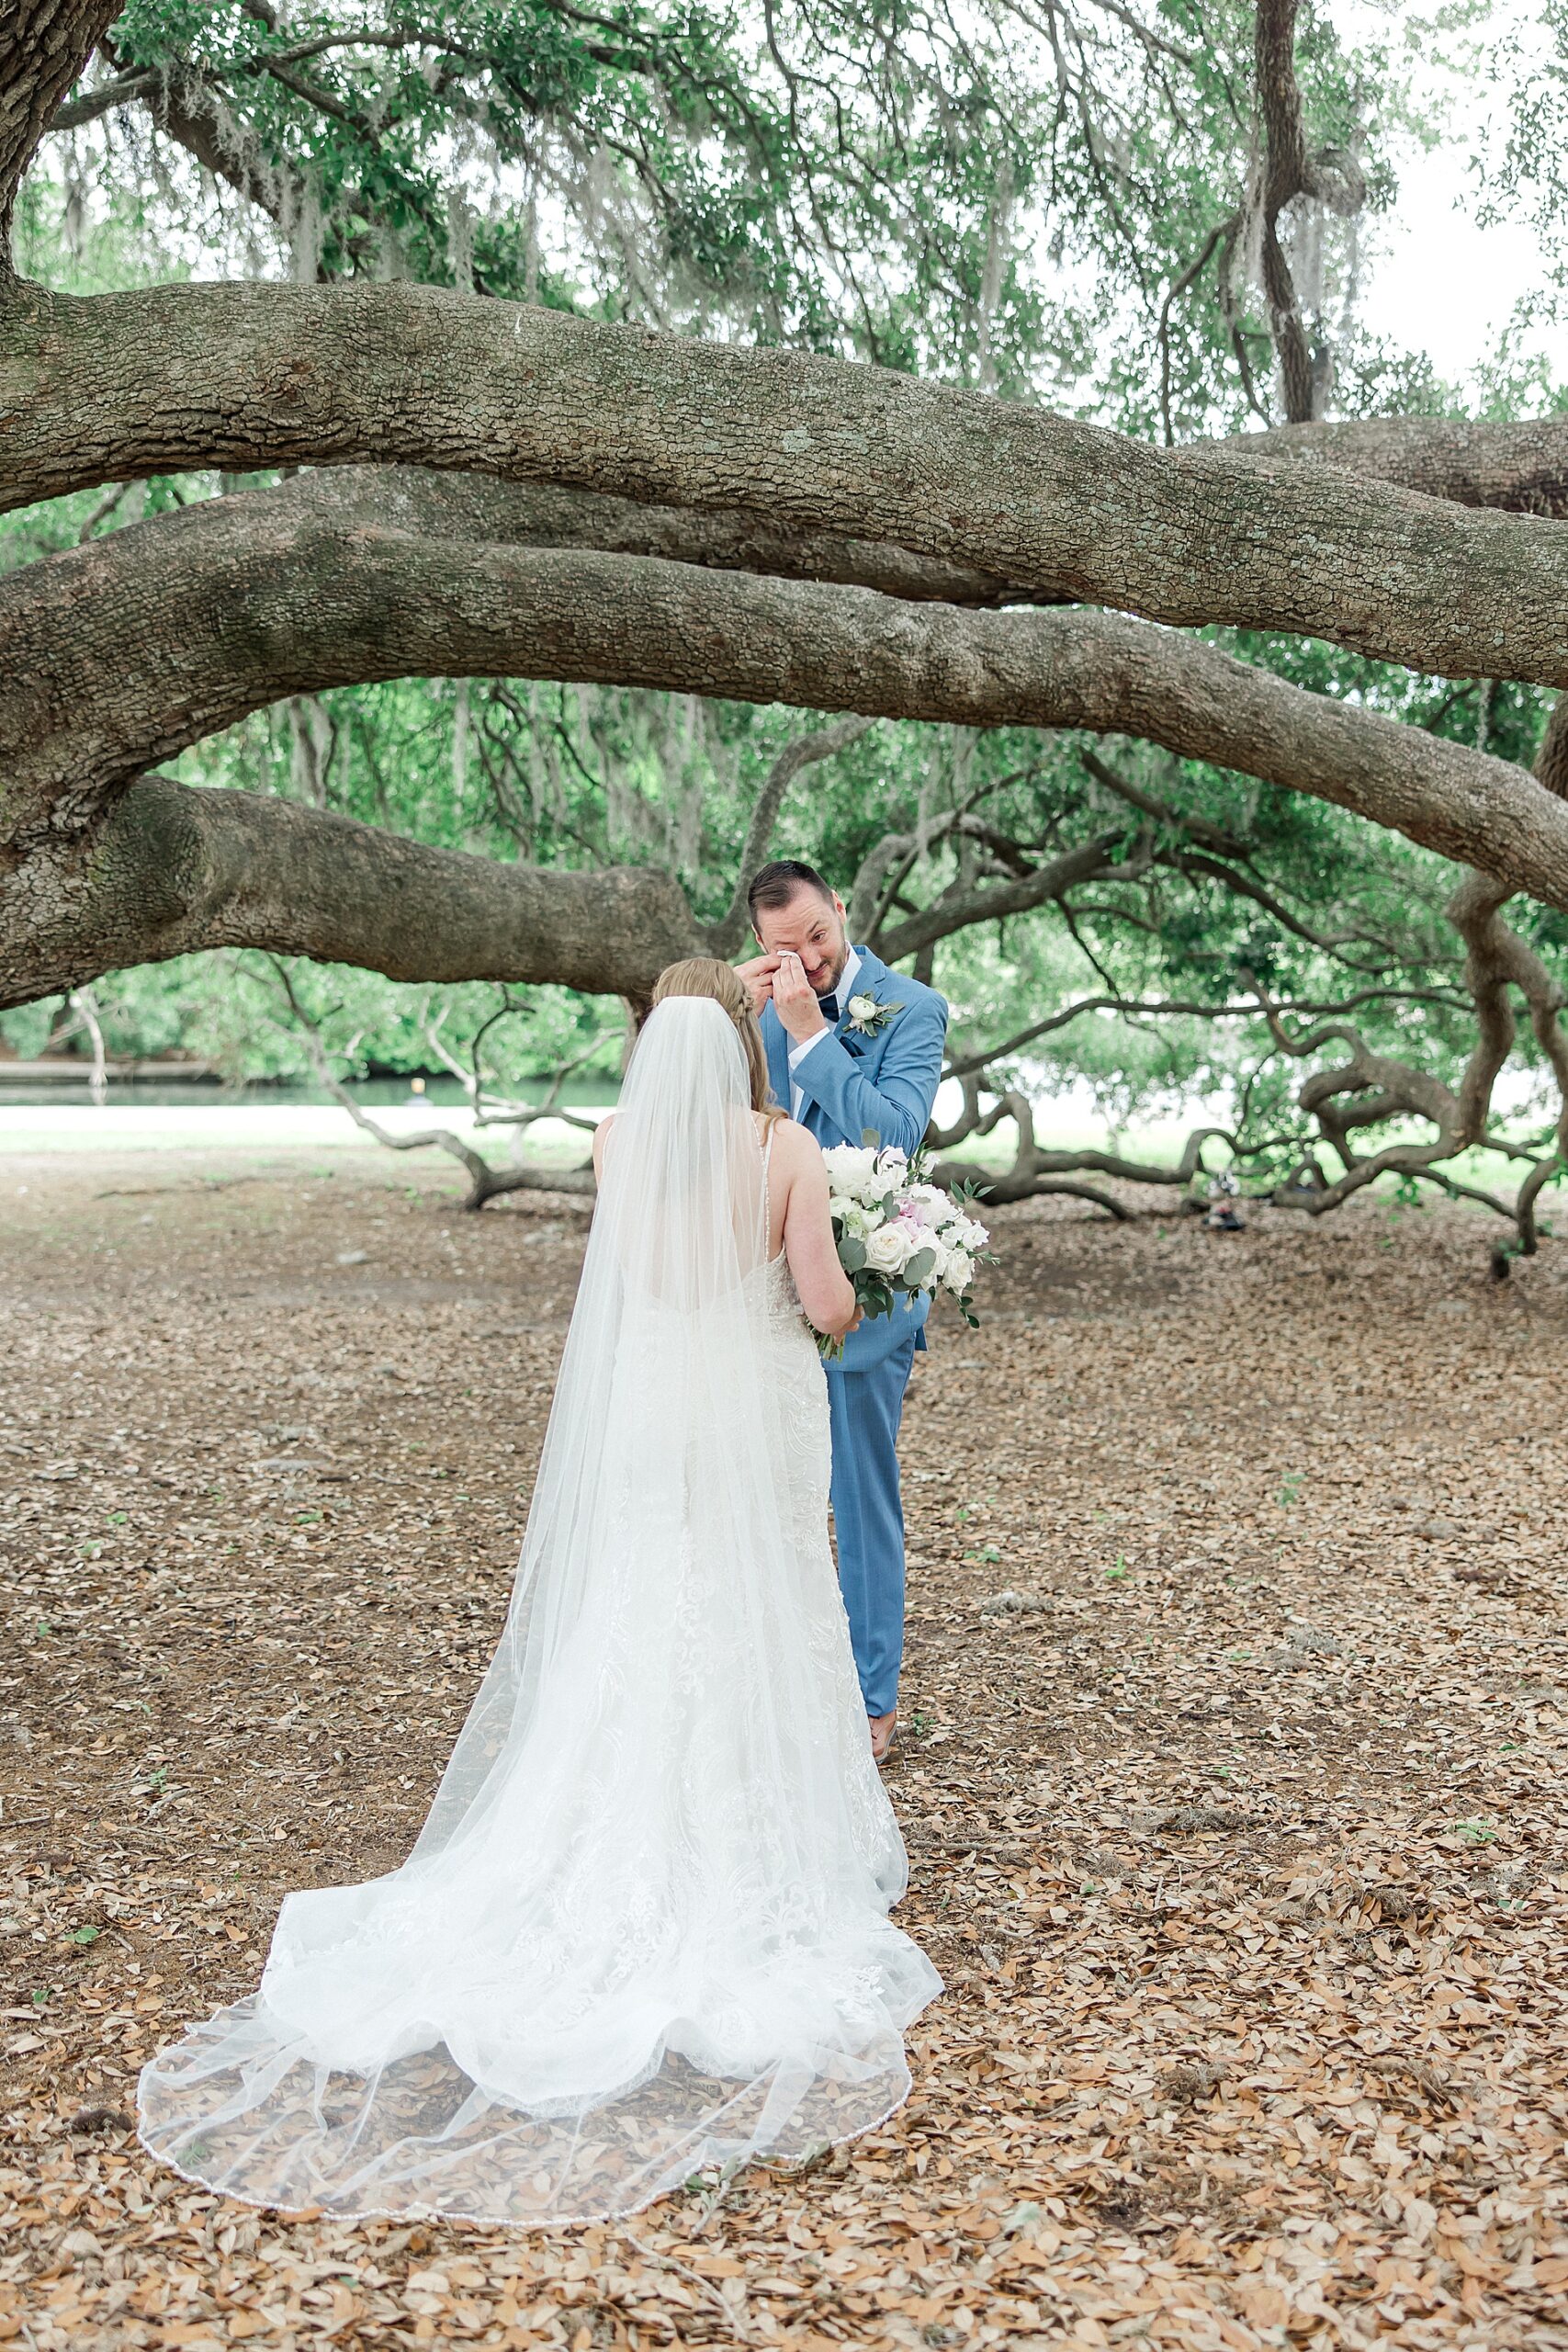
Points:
[(644, 1930)]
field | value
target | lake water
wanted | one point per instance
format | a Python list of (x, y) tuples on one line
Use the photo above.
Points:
[(207, 1093), (153, 1114), (197, 1114)]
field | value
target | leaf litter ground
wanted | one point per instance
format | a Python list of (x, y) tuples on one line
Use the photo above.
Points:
[(1232, 1769)]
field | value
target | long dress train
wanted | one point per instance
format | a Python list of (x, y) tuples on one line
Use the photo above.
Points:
[(644, 1930)]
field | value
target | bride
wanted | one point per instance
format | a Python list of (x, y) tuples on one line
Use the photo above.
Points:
[(644, 1930)]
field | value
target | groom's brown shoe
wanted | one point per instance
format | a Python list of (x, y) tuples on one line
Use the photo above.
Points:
[(882, 1729)]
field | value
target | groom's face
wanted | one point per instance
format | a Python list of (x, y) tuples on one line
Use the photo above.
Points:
[(811, 927)]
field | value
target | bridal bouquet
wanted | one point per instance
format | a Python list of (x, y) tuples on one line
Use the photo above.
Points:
[(898, 1234)]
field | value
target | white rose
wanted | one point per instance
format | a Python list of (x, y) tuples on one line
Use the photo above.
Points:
[(940, 1259), (958, 1273), (862, 1008), (888, 1251), (848, 1168), (854, 1219)]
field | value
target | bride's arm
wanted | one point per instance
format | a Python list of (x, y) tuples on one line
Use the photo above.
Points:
[(824, 1291)]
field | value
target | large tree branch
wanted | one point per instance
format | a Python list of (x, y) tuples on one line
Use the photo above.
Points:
[(485, 1182), (987, 1059), (172, 869), (241, 376), (126, 651), (1035, 1170), (1369, 1088), (1289, 171), (76, 113)]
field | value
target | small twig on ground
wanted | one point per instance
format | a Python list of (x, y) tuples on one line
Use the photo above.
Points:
[(739, 2320)]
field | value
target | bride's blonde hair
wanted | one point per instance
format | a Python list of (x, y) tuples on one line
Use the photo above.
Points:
[(706, 976)]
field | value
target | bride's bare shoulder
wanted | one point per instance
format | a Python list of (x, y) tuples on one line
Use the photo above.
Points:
[(794, 1147), (600, 1137)]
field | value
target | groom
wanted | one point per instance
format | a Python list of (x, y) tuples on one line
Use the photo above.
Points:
[(854, 1049)]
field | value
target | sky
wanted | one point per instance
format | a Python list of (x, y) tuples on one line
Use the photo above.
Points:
[(1446, 286), (1442, 284)]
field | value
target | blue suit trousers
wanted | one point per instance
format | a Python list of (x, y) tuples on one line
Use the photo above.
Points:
[(866, 1408)]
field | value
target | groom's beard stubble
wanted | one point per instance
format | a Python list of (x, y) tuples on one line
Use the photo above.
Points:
[(828, 982)]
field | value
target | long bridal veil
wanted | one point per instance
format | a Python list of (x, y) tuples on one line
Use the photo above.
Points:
[(644, 1930)]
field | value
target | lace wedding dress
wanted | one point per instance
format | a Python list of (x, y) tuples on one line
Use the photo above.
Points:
[(644, 1930)]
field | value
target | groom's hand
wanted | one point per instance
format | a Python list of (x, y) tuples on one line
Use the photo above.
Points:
[(795, 1001), (758, 976)]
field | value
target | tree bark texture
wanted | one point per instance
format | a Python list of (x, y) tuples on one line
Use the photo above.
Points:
[(246, 375), (518, 513)]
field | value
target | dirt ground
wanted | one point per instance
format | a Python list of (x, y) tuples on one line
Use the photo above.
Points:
[(1233, 1770)]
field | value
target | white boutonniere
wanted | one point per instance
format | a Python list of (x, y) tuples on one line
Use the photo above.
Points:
[(865, 1016)]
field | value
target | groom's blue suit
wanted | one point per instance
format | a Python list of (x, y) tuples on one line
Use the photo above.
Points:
[(849, 1083)]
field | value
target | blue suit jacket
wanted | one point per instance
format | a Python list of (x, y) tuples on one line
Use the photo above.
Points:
[(886, 1082)]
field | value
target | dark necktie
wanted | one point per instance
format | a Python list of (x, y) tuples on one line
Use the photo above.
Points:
[(829, 1004)]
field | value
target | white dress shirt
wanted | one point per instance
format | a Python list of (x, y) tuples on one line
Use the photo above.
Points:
[(798, 1053)]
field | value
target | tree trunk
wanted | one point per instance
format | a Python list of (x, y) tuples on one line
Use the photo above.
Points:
[(43, 46)]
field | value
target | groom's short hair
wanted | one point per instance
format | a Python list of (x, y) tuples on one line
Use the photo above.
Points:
[(774, 884)]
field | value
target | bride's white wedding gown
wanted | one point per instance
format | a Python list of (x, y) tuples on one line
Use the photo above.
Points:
[(645, 1928)]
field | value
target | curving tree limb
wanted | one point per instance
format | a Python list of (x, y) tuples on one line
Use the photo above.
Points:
[(116, 662), (253, 376), (171, 869), (486, 1181), (127, 649), (1035, 1170)]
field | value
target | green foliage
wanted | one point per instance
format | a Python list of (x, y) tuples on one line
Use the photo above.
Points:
[(228, 1010), (1057, 210)]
